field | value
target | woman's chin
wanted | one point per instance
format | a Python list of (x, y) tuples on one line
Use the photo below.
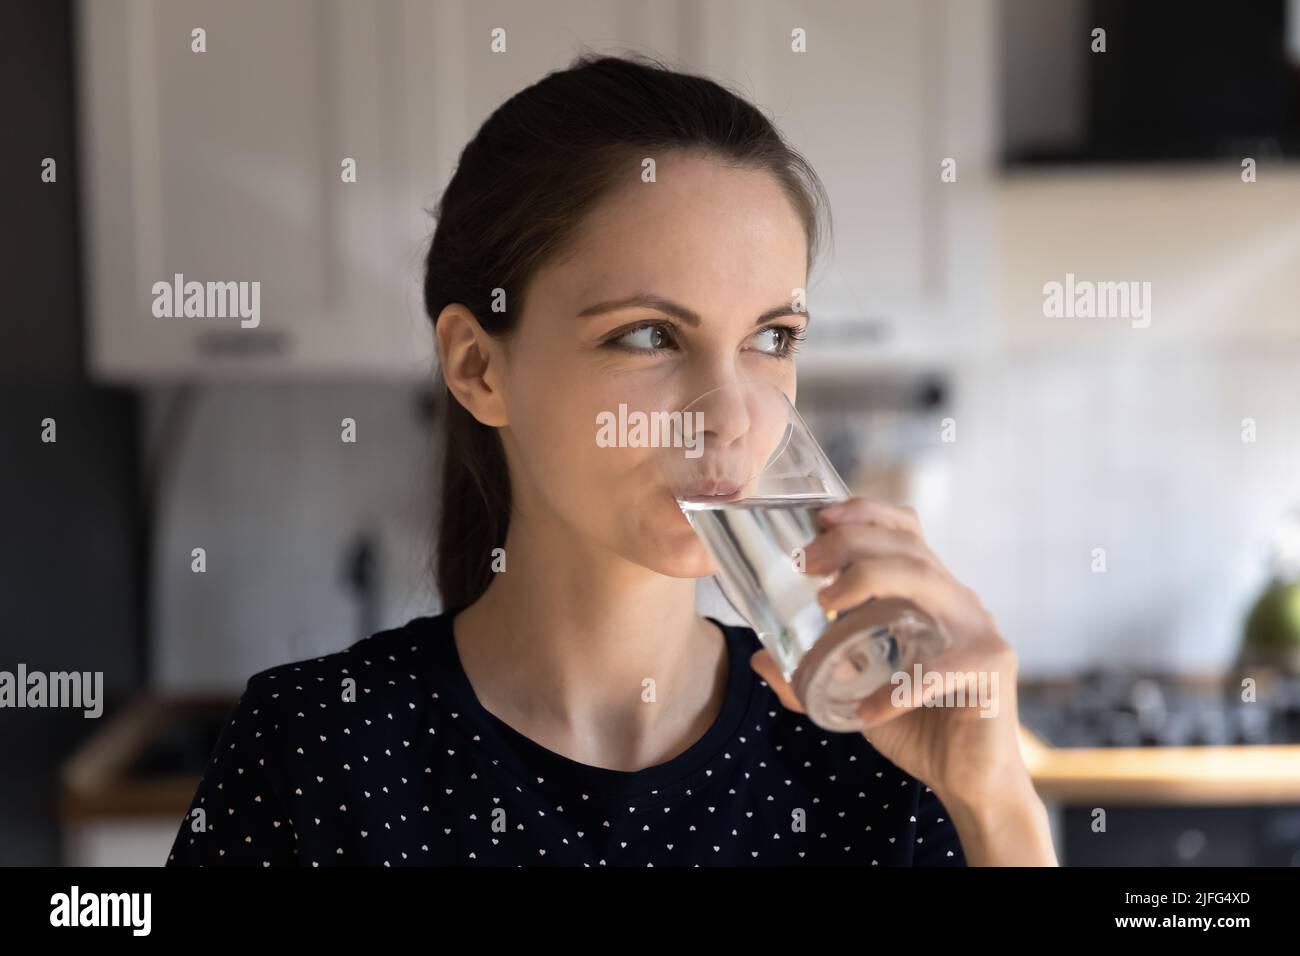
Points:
[(682, 558)]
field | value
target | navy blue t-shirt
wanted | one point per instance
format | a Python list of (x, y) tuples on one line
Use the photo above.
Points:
[(412, 770)]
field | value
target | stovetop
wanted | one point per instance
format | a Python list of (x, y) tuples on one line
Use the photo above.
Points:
[(1120, 709)]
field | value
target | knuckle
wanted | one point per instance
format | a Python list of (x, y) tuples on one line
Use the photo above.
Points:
[(923, 566), (834, 535), (866, 575)]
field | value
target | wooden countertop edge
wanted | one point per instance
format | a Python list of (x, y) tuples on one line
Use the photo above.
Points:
[(90, 782), (1163, 775)]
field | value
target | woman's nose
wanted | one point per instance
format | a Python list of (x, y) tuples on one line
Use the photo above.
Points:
[(722, 414)]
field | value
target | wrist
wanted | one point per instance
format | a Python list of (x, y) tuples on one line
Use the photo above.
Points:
[(1008, 826)]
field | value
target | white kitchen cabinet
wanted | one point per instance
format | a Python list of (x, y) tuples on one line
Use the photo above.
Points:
[(453, 78), (1221, 256), (884, 93), (886, 90), (224, 166)]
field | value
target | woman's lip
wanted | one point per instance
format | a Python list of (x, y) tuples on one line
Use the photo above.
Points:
[(714, 490)]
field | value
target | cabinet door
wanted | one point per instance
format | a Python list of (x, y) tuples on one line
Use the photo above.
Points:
[(453, 78), (226, 166), (884, 92), (851, 105), (854, 105), (1216, 260)]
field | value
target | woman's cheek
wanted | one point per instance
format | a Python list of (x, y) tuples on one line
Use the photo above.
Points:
[(554, 446), (587, 479), (611, 492)]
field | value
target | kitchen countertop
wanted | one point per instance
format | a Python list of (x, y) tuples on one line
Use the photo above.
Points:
[(96, 783), (1254, 773)]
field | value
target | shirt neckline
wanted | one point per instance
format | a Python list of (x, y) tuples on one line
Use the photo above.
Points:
[(530, 760)]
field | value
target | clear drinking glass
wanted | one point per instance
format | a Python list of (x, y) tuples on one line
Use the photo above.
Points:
[(750, 478)]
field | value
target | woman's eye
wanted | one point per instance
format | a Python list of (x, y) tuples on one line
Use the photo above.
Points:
[(778, 340), (644, 338)]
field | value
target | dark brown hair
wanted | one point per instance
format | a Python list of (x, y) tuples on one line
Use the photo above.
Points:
[(520, 191)]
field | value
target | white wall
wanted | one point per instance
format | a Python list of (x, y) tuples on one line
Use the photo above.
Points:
[(264, 483), (1056, 454)]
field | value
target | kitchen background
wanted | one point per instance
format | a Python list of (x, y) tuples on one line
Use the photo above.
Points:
[(1070, 434)]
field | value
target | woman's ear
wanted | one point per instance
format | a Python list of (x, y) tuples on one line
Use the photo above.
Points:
[(471, 363)]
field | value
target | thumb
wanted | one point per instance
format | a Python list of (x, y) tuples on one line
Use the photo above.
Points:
[(767, 669)]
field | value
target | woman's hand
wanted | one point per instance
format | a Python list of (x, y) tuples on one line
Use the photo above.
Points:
[(969, 755)]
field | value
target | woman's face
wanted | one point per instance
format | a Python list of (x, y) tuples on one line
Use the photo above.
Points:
[(724, 252)]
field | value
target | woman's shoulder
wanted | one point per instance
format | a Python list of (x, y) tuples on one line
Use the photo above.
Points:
[(371, 673)]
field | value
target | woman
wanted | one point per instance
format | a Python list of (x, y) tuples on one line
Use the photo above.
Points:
[(616, 233)]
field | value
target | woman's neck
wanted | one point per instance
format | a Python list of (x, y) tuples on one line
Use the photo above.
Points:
[(592, 656)]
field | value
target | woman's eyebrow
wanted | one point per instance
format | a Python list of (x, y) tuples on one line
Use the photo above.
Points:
[(690, 317)]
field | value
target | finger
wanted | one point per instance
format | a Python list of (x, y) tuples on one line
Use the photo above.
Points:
[(897, 517), (958, 676), (883, 704), (837, 546), (767, 669), (925, 582), (833, 550), (882, 576)]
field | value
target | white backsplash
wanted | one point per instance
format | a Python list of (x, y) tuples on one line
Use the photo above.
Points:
[(1055, 455), (1141, 455), (265, 484)]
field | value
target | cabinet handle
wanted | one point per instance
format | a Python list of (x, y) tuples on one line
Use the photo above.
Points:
[(242, 343)]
